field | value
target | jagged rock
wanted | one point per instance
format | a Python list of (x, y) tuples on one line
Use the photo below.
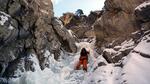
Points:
[(29, 27), (64, 36), (81, 25), (3, 5), (11, 41), (28, 11), (127, 6), (108, 57), (93, 16), (3, 67), (8, 28), (116, 56), (15, 68), (8, 33), (142, 15), (28, 64), (116, 23), (66, 18), (142, 12), (3, 81), (52, 37)]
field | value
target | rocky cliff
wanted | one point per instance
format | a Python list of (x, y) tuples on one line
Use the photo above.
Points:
[(29, 27), (81, 25), (117, 24)]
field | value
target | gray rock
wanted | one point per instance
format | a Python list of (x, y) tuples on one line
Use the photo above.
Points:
[(3, 5), (64, 35), (29, 28), (143, 15), (8, 34), (81, 26), (3, 81)]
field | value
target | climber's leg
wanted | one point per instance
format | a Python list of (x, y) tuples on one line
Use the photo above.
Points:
[(85, 64), (79, 64)]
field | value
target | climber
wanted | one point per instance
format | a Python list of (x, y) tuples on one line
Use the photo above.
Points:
[(83, 60)]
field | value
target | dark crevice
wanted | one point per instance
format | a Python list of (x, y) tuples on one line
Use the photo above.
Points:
[(1, 68), (7, 6), (142, 54)]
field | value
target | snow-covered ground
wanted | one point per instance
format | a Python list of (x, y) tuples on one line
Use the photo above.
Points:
[(135, 71), (62, 71)]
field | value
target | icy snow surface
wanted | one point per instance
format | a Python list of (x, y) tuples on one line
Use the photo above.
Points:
[(144, 45), (135, 71), (61, 72)]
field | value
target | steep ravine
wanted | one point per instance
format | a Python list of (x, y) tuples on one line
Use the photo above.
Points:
[(38, 48)]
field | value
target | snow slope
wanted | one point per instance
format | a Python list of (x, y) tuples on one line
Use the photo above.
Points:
[(60, 72), (135, 70)]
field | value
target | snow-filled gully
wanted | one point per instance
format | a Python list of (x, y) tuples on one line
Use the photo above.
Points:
[(135, 70)]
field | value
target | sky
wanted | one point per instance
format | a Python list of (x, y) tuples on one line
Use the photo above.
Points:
[(63, 6)]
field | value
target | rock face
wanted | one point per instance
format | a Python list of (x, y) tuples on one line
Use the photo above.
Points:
[(81, 25), (29, 27), (142, 15), (117, 24)]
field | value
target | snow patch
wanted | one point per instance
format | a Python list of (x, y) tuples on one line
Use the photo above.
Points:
[(126, 45), (3, 19), (110, 50), (47, 53), (70, 32), (136, 70), (144, 46), (10, 27), (135, 32), (38, 77), (143, 5), (106, 75)]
